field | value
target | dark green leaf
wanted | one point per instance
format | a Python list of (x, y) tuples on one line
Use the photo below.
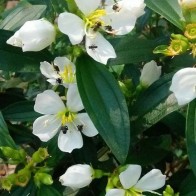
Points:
[(47, 190), (13, 59), (5, 138), (151, 150), (191, 134), (132, 49), (154, 104), (20, 14), (20, 111), (169, 9), (105, 105)]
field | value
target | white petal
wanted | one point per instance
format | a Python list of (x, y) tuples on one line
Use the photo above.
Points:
[(130, 176), (73, 26), (70, 141), (48, 102), (122, 22), (88, 126), (15, 40), (153, 180), (136, 7), (74, 102), (115, 192), (150, 73), (103, 51), (77, 176), (46, 127), (37, 35), (184, 85), (62, 62), (87, 7), (48, 70)]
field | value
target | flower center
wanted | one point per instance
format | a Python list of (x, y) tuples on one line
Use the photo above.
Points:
[(94, 20), (66, 116), (68, 75)]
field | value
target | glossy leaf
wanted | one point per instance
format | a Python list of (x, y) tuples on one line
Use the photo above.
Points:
[(13, 59), (48, 190), (169, 9), (6, 139), (191, 134), (154, 104), (132, 49), (20, 112), (105, 105)]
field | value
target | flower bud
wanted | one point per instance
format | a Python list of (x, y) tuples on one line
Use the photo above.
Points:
[(34, 35), (40, 155), (42, 178), (169, 191), (150, 73), (190, 32), (18, 156), (8, 182), (77, 176), (22, 177)]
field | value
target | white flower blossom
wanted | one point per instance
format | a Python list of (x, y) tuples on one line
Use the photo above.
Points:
[(96, 45), (77, 176), (131, 185), (34, 35), (150, 73), (64, 119), (184, 85), (62, 71), (123, 15)]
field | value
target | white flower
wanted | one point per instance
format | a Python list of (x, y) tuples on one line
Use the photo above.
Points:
[(123, 15), (34, 35), (77, 176), (66, 119), (184, 85), (150, 73), (96, 45), (62, 71), (131, 184)]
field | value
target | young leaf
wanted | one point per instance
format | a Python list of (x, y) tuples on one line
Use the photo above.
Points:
[(191, 134), (105, 105)]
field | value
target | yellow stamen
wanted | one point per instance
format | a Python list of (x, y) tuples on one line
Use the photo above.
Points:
[(66, 116), (68, 75), (94, 18)]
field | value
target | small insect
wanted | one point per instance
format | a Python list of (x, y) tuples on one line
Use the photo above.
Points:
[(80, 127), (64, 129), (93, 47), (56, 68), (108, 28), (96, 26), (59, 80), (116, 8)]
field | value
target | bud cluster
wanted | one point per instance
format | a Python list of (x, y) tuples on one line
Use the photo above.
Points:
[(22, 176)]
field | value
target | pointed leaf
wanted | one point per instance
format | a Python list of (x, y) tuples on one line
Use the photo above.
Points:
[(105, 105), (170, 9), (5, 138), (191, 134)]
